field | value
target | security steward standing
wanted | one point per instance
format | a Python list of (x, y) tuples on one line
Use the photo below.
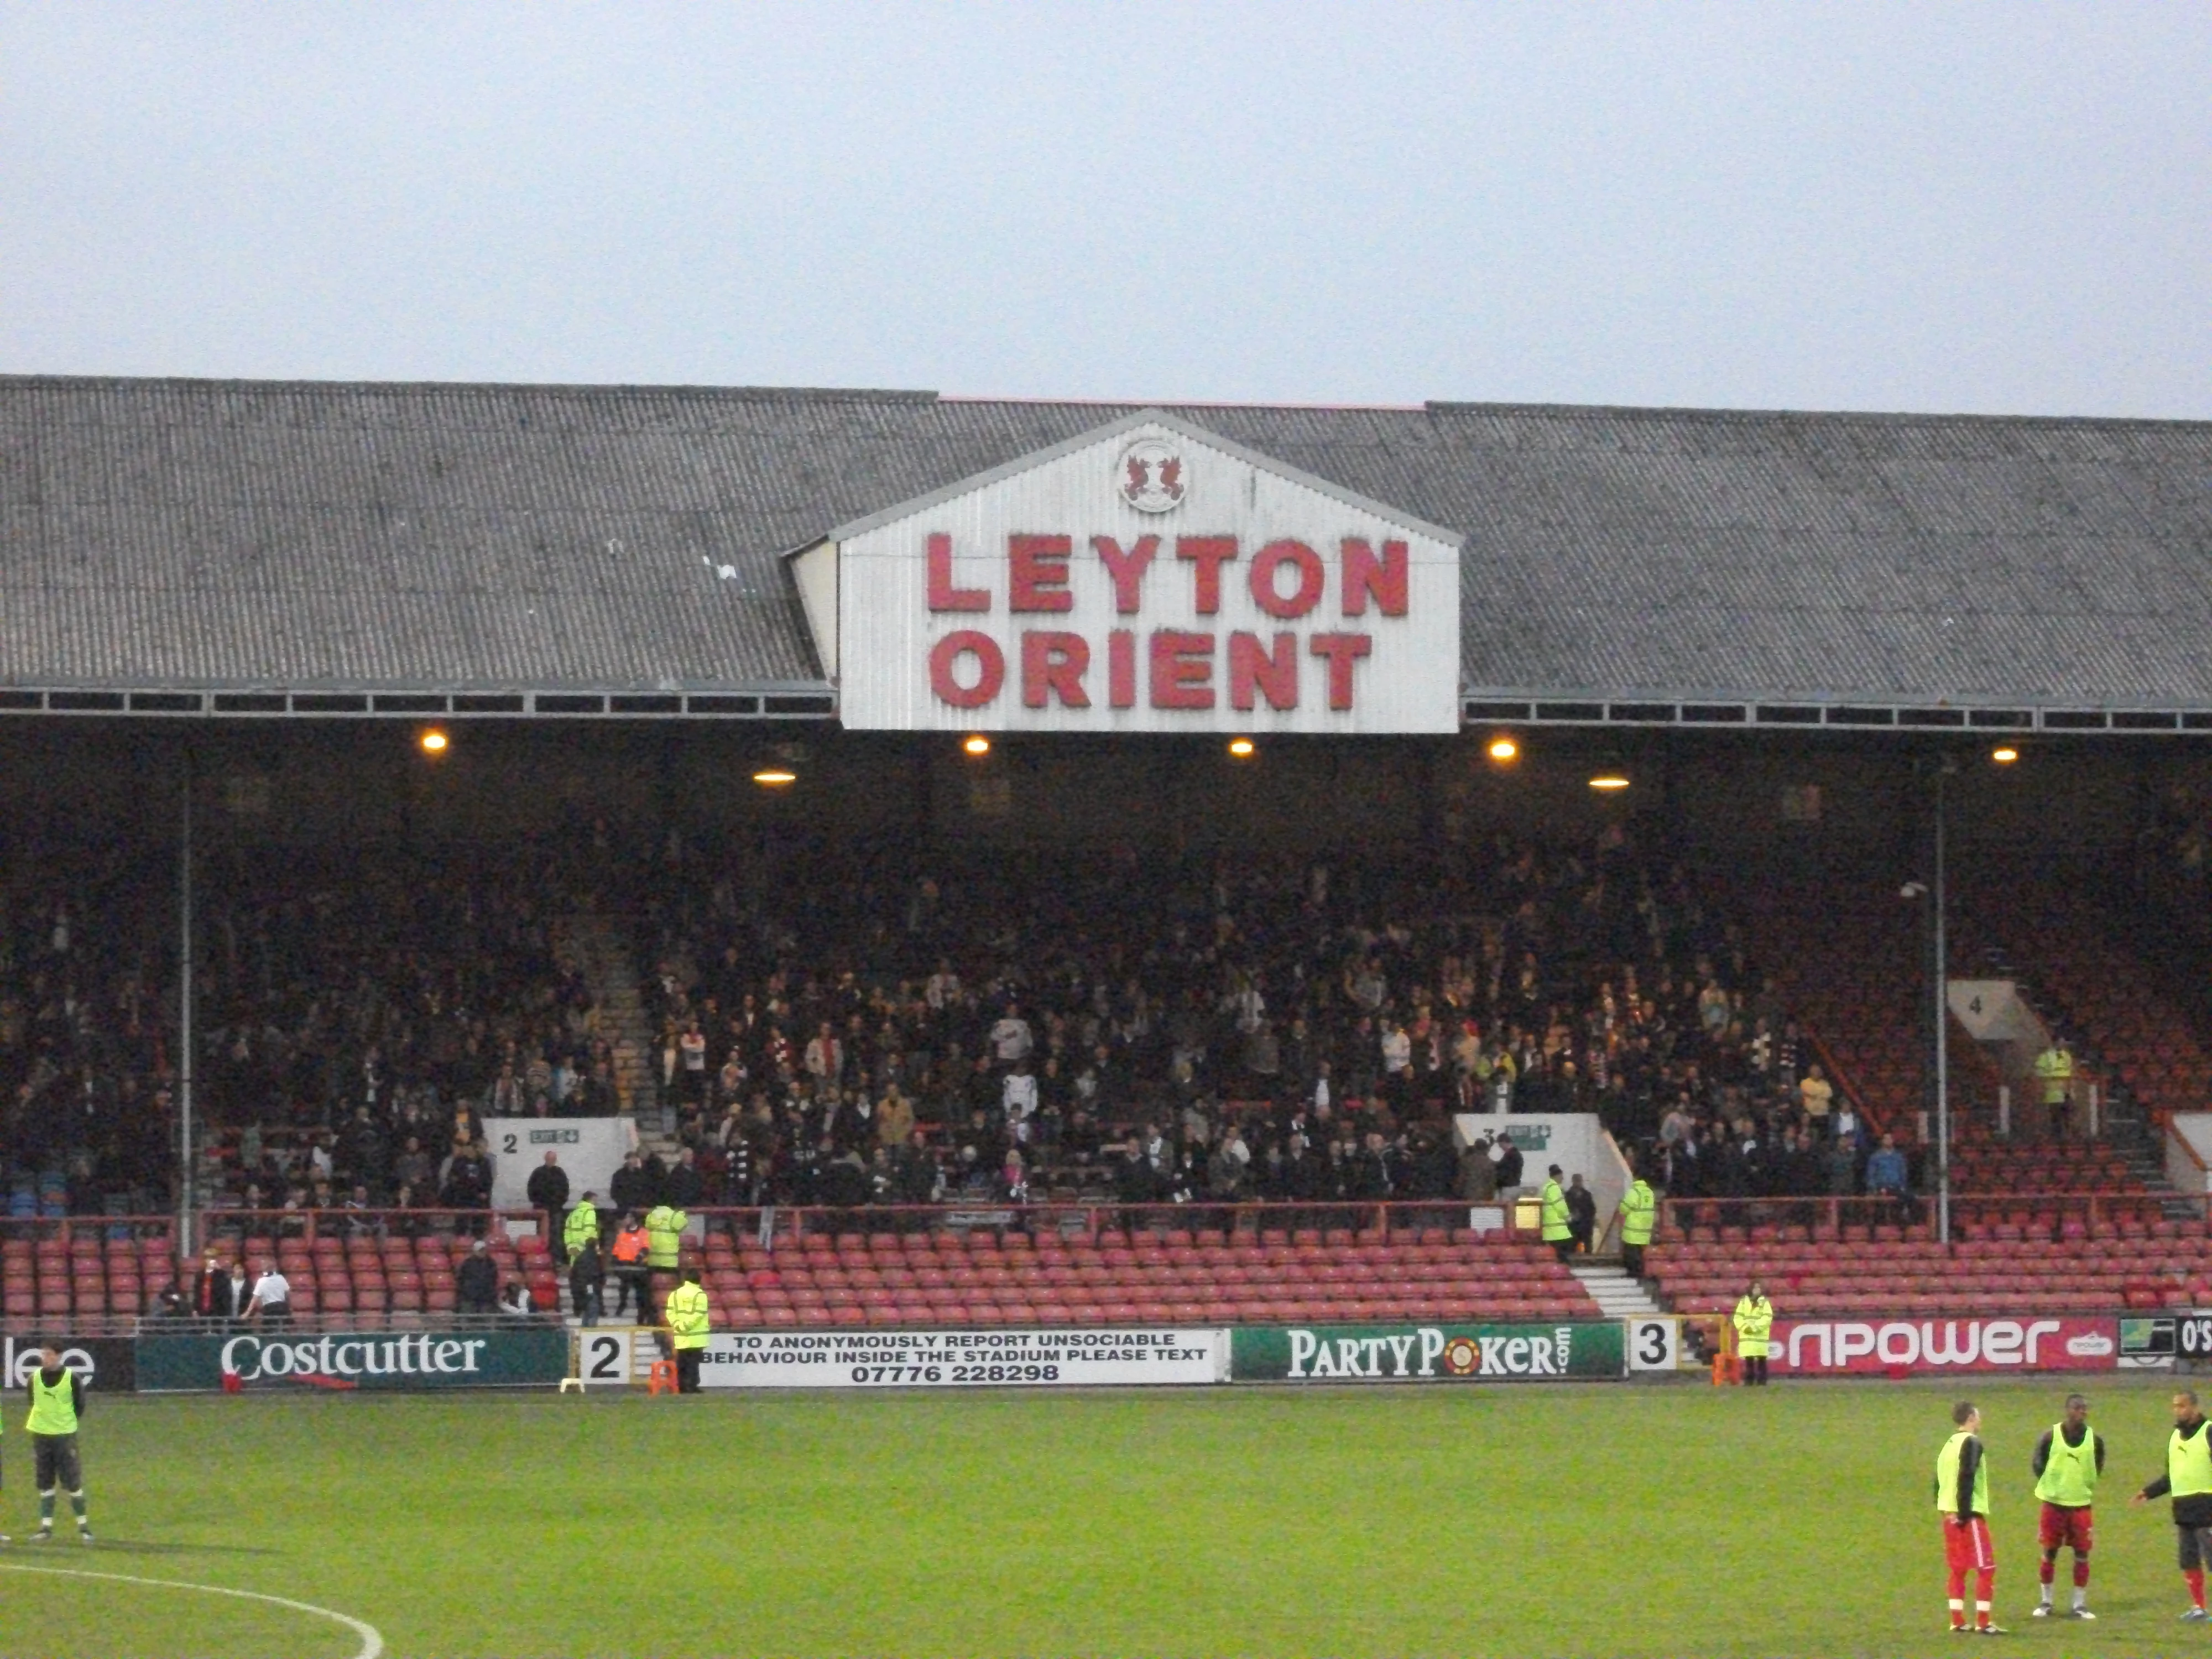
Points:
[(1639, 1214), (2188, 1481), (57, 1407), (583, 1223), (688, 1318), (1754, 1323), (663, 1249), (629, 1269), (2054, 1071), (1552, 1214)]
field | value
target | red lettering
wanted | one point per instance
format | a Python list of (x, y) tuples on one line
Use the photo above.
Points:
[(943, 595), (1344, 651), (1054, 663), (1273, 674), (1037, 573), (1364, 574), (1182, 669), (991, 663), (1311, 579), (1127, 570), (1209, 554), (1121, 668)]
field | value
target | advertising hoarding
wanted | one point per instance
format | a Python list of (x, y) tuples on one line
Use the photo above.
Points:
[(967, 1359), (1477, 1352), (2026, 1342), (534, 1355)]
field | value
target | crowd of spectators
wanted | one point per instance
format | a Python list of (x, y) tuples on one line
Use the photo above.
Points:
[(851, 1029), (848, 1030), (88, 1034)]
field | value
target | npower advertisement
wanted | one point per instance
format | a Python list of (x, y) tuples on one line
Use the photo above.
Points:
[(2030, 1342)]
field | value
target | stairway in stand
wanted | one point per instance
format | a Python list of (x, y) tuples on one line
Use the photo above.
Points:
[(1617, 1295), (599, 947)]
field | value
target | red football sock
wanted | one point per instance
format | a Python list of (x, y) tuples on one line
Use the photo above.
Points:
[(1958, 1589), (1985, 1583), (2043, 1572), (2081, 1572), (2195, 1579)]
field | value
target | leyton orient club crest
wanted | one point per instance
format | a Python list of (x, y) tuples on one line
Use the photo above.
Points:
[(1151, 476)]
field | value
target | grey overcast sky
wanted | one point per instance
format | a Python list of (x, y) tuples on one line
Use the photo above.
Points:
[(2003, 207)]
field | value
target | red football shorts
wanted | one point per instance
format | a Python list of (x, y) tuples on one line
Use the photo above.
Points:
[(1966, 1549), (2064, 1529)]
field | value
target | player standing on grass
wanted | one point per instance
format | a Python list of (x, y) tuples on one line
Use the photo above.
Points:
[(1962, 1495), (2188, 1481), (57, 1405), (2068, 1461)]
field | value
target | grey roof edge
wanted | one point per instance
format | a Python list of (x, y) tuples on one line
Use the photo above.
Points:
[(1152, 416), (1897, 696), (434, 388), (426, 687), (1704, 416)]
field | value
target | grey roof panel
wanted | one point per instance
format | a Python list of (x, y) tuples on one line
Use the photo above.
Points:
[(221, 533)]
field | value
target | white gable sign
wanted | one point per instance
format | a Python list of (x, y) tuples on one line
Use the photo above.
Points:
[(1150, 578)]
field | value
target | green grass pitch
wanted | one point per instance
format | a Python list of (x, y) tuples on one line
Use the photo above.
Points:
[(1573, 1520)]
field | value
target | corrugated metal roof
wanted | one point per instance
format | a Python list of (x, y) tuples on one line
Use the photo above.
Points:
[(202, 533)]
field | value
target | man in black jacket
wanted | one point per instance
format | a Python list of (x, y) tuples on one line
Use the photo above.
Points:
[(547, 1190), (2188, 1481), (633, 1188), (681, 1187), (1508, 1166), (587, 1278), (1582, 1215), (477, 1281)]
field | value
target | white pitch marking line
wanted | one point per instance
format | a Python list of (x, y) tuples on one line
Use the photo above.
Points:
[(372, 1643)]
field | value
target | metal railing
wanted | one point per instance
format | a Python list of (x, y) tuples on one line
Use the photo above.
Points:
[(2058, 1216), (280, 1233)]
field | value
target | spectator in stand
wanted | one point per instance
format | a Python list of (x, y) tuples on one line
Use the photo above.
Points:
[(919, 1179), (1478, 1172), (1841, 1162), (1510, 1164), (691, 1052), (236, 1292), (514, 1301), (1582, 1215), (270, 1304), (588, 1279), (1818, 1095), (547, 1190), (1888, 1175), (1011, 1037), (468, 1182), (681, 1187), (413, 1167), (633, 1188), (477, 1280)]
